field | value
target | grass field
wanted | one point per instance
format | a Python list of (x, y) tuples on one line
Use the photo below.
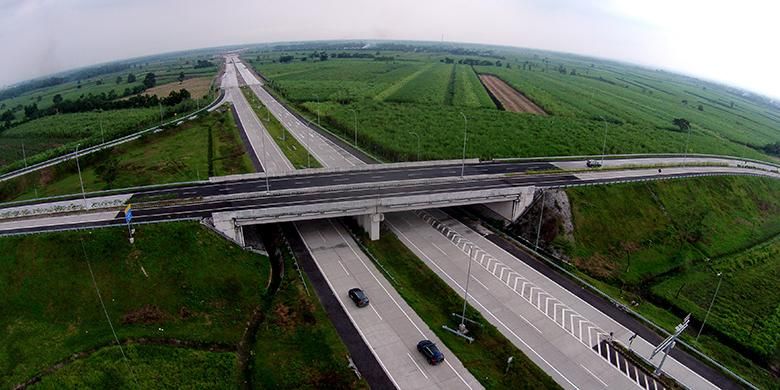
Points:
[(650, 243), (298, 155), (433, 300), (207, 146), (201, 289), (297, 346), (147, 367), (419, 92)]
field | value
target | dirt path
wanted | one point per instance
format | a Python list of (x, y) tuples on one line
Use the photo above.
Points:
[(510, 98), (211, 347)]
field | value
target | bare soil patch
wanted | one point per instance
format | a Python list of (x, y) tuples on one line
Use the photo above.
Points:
[(198, 87), (510, 98)]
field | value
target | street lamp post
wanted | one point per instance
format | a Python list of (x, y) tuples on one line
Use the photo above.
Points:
[(462, 326), (355, 113), (465, 129), (265, 164), (161, 115), (418, 144), (81, 181), (720, 279), (604, 146)]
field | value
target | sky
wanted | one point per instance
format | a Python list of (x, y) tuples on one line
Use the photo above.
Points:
[(734, 42)]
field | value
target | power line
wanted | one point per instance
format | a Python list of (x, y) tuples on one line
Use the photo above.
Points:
[(100, 297)]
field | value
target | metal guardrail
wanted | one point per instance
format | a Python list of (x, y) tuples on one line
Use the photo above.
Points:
[(104, 145), (634, 155)]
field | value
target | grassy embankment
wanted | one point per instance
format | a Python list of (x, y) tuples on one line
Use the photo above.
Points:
[(207, 146), (434, 301), (202, 289), (650, 242), (292, 149), (297, 345)]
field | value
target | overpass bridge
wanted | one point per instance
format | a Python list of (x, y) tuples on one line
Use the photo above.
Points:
[(366, 193)]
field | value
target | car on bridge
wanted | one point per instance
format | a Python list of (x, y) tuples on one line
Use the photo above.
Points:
[(593, 164)]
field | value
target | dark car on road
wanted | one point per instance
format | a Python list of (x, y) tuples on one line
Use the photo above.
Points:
[(593, 163), (359, 297), (431, 352)]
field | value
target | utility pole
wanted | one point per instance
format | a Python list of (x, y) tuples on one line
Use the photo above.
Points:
[(81, 181), (465, 131), (102, 135), (720, 279), (418, 144), (318, 109), (355, 113), (24, 155), (687, 139), (604, 146), (539, 227)]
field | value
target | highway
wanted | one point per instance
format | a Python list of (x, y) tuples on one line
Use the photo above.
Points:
[(388, 326), (558, 330)]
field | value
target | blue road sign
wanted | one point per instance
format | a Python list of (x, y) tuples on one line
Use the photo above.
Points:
[(128, 215)]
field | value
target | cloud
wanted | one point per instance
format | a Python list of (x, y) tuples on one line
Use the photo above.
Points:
[(726, 41)]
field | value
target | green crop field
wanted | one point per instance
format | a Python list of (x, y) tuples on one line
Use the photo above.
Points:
[(661, 245), (201, 289), (53, 135), (207, 146), (63, 132), (421, 92)]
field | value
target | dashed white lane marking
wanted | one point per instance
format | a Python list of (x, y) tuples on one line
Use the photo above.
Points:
[(342, 267), (480, 283), (594, 375), (417, 365), (440, 250), (376, 312)]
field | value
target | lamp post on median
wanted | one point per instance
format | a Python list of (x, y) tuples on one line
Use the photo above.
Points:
[(687, 139), (81, 181), (462, 326), (24, 155), (720, 279), (604, 146), (265, 164), (465, 129), (355, 113), (418, 144)]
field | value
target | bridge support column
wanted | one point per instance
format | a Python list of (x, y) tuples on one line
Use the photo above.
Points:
[(226, 224), (511, 210), (370, 223)]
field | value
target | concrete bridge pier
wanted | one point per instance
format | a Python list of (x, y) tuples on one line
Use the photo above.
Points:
[(511, 210), (229, 228), (370, 223)]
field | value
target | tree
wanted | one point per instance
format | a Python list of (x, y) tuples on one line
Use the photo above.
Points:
[(119, 79), (31, 111), (701, 108), (57, 99), (108, 170), (130, 78), (150, 80), (7, 117), (181, 76), (683, 124)]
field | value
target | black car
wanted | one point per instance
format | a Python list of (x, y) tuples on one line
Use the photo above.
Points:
[(359, 297), (431, 352)]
